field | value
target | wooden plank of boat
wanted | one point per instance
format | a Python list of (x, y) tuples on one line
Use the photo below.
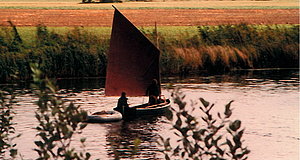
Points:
[(152, 109), (104, 117), (154, 106), (144, 109)]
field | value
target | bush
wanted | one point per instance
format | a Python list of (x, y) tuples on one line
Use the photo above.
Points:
[(58, 122), (203, 137)]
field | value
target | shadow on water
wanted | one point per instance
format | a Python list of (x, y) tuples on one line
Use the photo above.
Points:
[(243, 77), (81, 83), (121, 137)]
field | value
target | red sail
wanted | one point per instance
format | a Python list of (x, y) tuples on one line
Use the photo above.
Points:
[(133, 61)]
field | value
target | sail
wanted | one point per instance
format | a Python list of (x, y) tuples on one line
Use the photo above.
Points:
[(133, 61)]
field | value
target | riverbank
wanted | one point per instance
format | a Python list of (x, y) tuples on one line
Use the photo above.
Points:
[(76, 52)]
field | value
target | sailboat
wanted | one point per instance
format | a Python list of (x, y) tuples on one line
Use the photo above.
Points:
[(133, 63)]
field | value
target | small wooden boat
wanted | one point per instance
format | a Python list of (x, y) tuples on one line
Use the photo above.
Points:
[(104, 116), (144, 109), (133, 64)]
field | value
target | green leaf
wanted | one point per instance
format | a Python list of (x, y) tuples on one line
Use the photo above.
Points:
[(169, 114), (228, 111), (82, 140), (204, 102), (82, 126), (234, 126), (178, 122), (38, 143)]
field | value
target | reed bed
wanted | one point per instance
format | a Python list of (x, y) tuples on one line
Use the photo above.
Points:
[(227, 47), (81, 52)]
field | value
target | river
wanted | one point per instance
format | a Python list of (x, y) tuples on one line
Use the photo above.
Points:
[(266, 101)]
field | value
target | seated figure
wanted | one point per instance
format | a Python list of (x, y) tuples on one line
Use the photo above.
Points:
[(122, 102), (153, 92)]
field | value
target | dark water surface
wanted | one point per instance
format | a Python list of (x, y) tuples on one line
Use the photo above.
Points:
[(266, 101)]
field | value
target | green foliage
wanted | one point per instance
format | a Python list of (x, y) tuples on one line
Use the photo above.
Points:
[(58, 122), (75, 54), (205, 136), (80, 52), (7, 131), (226, 47)]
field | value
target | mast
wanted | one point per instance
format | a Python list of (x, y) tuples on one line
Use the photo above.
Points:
[(133, 61)]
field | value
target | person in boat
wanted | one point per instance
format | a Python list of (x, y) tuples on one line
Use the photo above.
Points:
[(122, 102), (153, 92)]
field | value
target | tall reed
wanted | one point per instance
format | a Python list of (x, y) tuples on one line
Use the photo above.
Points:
[(226, 47), (74, 54), (81, 53)]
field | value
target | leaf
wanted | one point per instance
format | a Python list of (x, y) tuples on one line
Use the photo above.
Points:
[(82, 140), (178, 122), (182, 154), (197, 136), (87, 155), (169, 115), (176, 151), (228, 111), (13, 152), (82, 126), (228, 142), (167, 157), (204, 102), (202, 131), (38, 143), (234, 126)]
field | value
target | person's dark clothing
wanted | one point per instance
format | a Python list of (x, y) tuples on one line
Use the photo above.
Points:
[(122, 102), (153, 89), (153, 92)]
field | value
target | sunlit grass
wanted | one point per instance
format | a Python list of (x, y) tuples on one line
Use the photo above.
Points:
[(169, 32), (29, 33)]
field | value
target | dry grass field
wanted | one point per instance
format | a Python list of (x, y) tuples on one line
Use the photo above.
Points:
[(163, 17), (170, 13), (75, 4)]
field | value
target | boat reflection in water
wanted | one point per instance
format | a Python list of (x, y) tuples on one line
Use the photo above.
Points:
[(122, 136)]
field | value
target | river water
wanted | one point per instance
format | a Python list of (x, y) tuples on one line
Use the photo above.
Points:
[(266, 101)]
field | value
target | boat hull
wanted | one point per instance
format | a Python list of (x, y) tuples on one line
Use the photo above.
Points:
[(144, 109), (104, 117)]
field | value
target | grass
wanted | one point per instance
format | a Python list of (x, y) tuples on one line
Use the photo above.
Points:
[(28, 34)]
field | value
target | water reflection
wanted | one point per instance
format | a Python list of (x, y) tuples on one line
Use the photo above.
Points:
[(122, 136), (267, 102), (239, 76), (81, 83)]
